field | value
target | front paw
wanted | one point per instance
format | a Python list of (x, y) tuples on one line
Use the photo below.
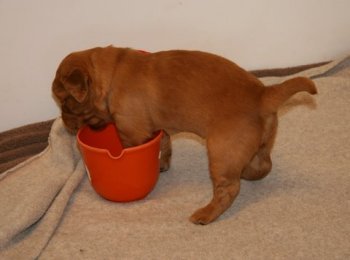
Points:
[(164, 168), (164, 164)]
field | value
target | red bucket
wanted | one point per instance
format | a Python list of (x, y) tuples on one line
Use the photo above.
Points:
[(115, 173)]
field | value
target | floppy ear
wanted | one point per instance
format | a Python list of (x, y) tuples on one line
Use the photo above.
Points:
[(77, 84), (58, 90)]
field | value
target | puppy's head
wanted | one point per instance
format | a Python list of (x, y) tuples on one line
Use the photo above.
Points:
[(75, 92)]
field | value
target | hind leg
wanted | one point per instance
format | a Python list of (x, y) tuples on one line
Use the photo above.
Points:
[(259, 167), (230, 149), (261, 164)]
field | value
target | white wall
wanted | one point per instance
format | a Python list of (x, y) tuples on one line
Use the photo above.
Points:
[(35, 35)]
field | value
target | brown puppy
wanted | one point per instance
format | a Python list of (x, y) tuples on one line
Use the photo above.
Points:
[(179, 91)]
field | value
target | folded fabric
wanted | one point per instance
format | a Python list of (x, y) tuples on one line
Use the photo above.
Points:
[(34, 194)]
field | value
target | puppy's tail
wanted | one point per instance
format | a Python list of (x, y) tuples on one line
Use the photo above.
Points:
[(274, 96)]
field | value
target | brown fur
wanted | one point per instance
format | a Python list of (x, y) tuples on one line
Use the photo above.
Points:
[(179, 91)]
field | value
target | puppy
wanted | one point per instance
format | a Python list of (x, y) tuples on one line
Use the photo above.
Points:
[(178, 91)]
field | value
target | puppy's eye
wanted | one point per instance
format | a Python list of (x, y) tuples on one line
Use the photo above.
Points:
[(65, 109)]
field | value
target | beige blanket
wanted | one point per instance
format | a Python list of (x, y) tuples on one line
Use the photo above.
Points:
[(48, 209)]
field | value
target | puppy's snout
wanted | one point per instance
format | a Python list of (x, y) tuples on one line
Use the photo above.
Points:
[(71, 123), (72, 129)]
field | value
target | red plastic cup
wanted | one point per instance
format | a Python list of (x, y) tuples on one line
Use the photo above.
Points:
[(115, 173)]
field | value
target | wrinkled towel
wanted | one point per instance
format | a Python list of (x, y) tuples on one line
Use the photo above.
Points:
[(48, 209)]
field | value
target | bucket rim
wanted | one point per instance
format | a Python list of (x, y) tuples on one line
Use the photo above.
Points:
[(157, 137)]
